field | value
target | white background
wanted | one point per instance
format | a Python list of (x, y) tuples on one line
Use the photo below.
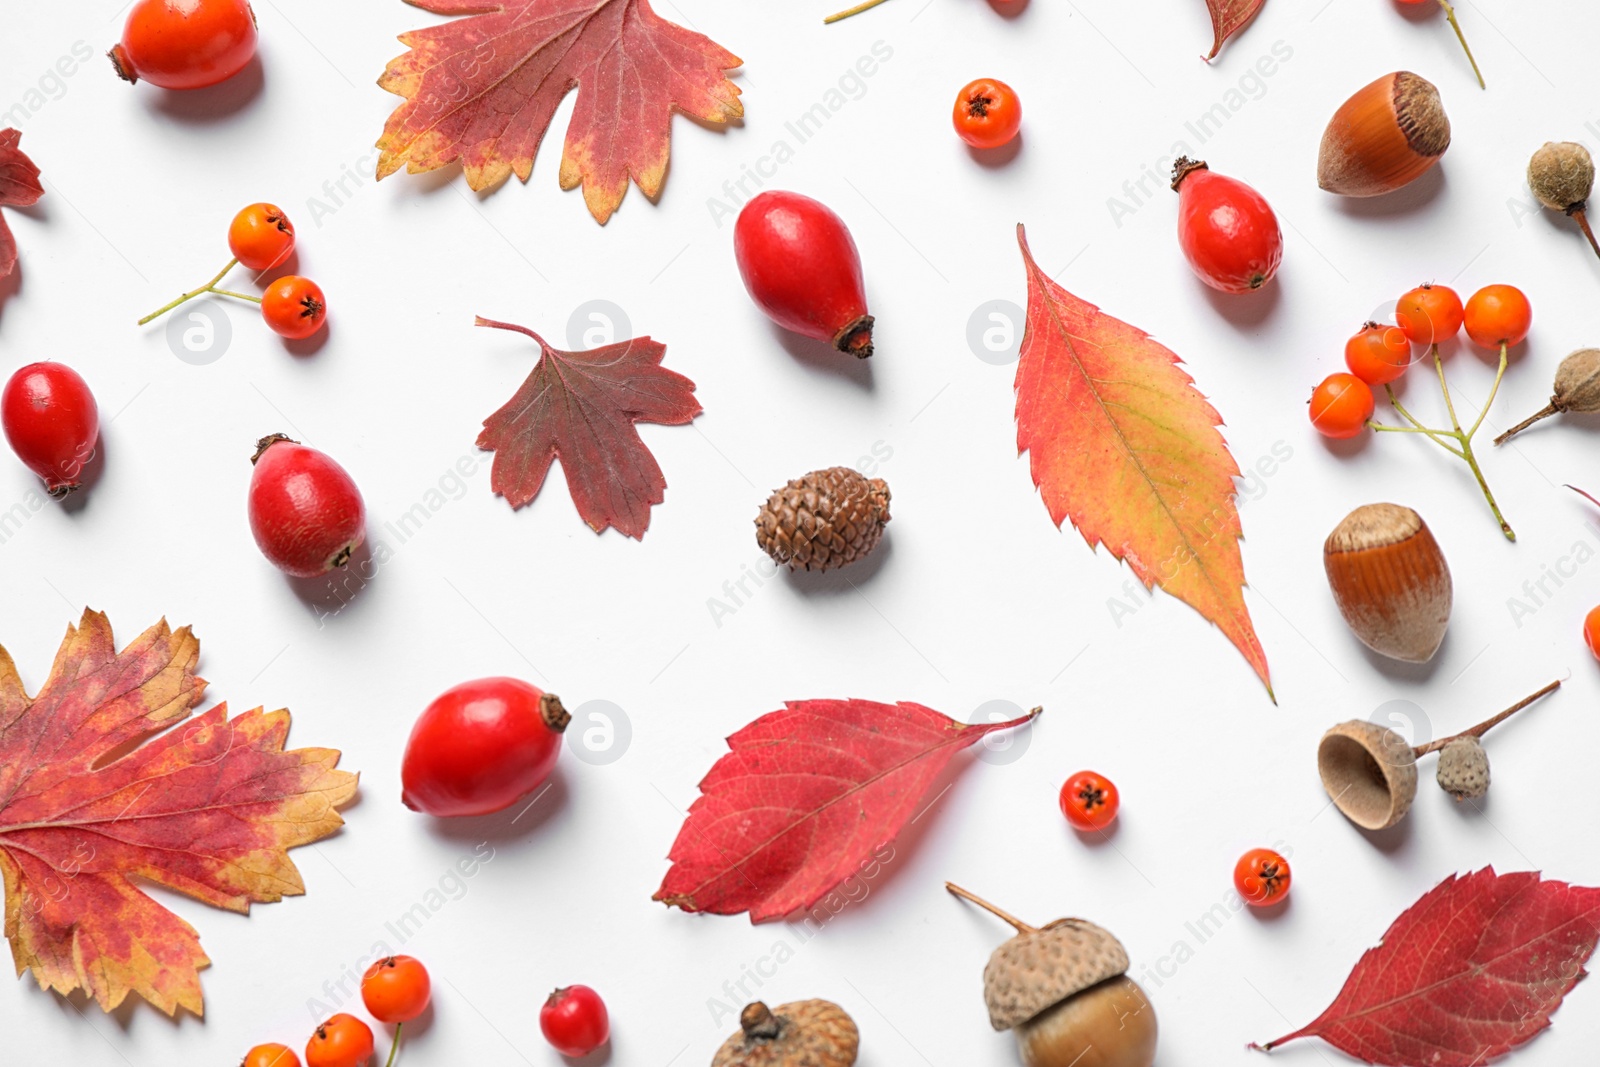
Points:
[(974, 595)]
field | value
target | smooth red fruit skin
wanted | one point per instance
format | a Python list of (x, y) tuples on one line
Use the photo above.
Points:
[(51, 422), (800, 266), (305, 511), (575, 1021), (396, 989), (294, 307), (1227, 230), (186, 44), (480, 747)]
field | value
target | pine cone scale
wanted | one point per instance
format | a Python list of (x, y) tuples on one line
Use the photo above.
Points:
[(825, 519)]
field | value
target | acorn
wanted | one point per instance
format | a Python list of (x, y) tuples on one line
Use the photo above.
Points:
[(1577, 388), (1370, 772), (807, 1033), (1063, 990), (1390, 581), (1561, 175), (1385, 136)]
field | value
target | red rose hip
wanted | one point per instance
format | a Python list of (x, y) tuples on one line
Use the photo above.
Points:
[(305, 511), (185, 44), (575, 1021), (481, 746), (800, 266), (52, 423), (1227, 230)]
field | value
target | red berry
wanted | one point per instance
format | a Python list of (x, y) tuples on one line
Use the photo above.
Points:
[(575, 1021), (396, 989), (988, 113), (342, 1041), (801, 268), (1341, 406), (305, 511), (1226, 229), (1497, 315), (186, 44), (1429, 314), (481, 746), (270, 1055), (52, 422), (1262, 877), (1089, 801), (1378, 354), (294, 307), (261, 236), (1591, 631)]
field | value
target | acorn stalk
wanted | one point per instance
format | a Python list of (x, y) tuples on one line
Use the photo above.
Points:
[(1577, 388)]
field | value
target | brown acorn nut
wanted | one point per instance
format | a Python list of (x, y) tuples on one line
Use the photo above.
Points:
[(1385, 136), (1561, 175), (1062, 989), (825, 519), (1577, 388), (1370, 772), (1390, 581), (807, 1033)]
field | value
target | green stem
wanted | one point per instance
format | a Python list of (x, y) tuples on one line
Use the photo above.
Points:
[(209, 287), (1450, 13), (1444, 387), (1436, 436), (236, 296), (867, 5), (1472, 461), (1493, 390), (394, 1049)]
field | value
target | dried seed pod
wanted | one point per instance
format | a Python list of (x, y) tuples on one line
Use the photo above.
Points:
[(1577, 388), (1063, 991), (1385, 136), (825, 519), (1464, 769), (1390, 581), (1561, 175), (807, 1033)]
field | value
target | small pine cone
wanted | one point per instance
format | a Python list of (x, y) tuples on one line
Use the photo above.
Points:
[(826, 519), (1464, 769)]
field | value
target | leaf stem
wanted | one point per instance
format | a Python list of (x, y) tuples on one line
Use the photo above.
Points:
[(209, 287), (1450, 13), (1004, 916), (513, 327), (1488, 724), (866, 5), (394, 1049)]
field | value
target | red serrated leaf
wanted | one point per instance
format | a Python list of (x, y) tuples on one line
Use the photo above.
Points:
[(1121, 442), (581, 406), (1228, 17), (19, 187), (1468, 973), (210, 811), (482, 90), (804, 799)]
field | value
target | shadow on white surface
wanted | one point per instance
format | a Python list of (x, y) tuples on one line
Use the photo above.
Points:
[(823, 358), (1408, 198), (204, 107), (77, 501), (994, 158), (332, 595), (1245, 312), (844, 580), (522, 819)]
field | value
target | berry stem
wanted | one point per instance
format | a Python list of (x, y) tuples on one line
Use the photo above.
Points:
[(1494, 389), (1450, 13), (1444, 387), (208, 287), (1436, 436), (1488, 724), (866, 5), (394, 1049), (1016, 923), (236, 296), (1580, 215)]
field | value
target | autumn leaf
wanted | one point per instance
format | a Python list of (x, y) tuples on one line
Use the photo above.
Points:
[(581, 406), (1228, 17), (807, 797), (87, 811), (19, 187), (1468, 973), (482, 90), (1120, 442)]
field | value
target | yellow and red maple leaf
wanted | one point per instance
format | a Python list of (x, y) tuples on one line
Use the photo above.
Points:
[(481, 91), (98, 792), (1120, 442)]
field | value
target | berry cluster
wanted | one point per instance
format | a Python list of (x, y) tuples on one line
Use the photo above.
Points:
[(396, 989), (1495, 317)]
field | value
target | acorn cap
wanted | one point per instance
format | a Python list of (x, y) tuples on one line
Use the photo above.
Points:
[(1369, 771), (1038, 969), (807, 1033)]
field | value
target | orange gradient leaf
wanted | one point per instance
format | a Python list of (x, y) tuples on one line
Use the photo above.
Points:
[(1120, 442), (86, 810), (481, 91), (1228, 17)]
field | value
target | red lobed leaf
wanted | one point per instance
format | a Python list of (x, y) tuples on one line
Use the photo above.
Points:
[(804, 799), (482, 90), (582, 406), (1120, 442), (19, 187), (1466, 974), (1228, 17), (85, 809)]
